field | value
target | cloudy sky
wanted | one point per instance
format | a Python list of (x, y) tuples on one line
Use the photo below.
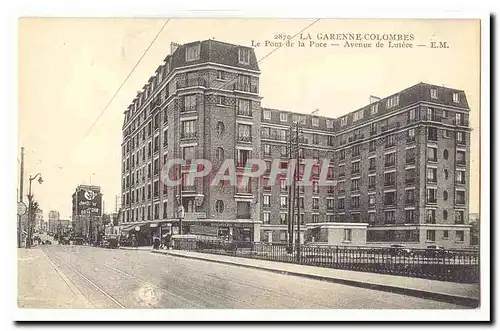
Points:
[(70, 68)]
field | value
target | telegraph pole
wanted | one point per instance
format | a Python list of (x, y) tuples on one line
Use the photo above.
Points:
[(19, 220), (290, 197)]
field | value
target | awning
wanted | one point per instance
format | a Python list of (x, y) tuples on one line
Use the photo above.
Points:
[(128, 228)]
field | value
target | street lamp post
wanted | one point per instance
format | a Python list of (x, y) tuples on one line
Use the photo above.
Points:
[(30, 209)]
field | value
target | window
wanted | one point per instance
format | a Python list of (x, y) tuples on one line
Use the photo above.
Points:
[(357, 115), (445, 234), (410, 156), (432, 175), (411, 115), (460, 158), (459, 217), (283, 135), (390, 179), (411, 135), (460, 177), (266, 218), (355, 150), (390, 140), (315, 186), (315, 139), (220, 128), (188, 153), (409, 216), (372, 146), (432, 134), (460, 197), (456, 97), (244, 132), (219, 154), (342, 154), (284, 151), (389, 217), (390, 159), (220, 100), (355, 184), (330, 203), (374, 109), (371, 181), (283, 218), (390, 198), (347, 234), (315, 121), (371, 200), (445, 195), (244, 55), (242, 157), (343, 121), (283, 202), (461, 138), (431, 235), (371, 163), (410, 197), (445, 174), (265, 132), (445, 215), (267, 149), (446, 134), (393, 101), (434, 93), (190, 102), (315, 203), (193, 53), (355, 202), (221, 75), (245, 109), (444, 113), (283, 117), (267, 201), (432, 154), (188, 129), (445, 154), (219, 206), (355, 167), (459, 236), (341, 203), (329, 124), (266, 114), (431, 195)]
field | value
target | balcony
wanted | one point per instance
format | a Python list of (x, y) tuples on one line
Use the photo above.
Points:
[(192, 82), (356, 137), (431, 200), (389, 184), (371, 186), (461, 142), (330, 190), (244, 112), (433, 118), (245, 139), (432, 180), (460, 182), (188, 188), (267, 188), (243, 216), (188, 108), (372, 168), (189, 135), (460, 202), (245, 88), (462, 122), (461, 162), (430, 220), (390, 164), (389, 127), (244, 190)]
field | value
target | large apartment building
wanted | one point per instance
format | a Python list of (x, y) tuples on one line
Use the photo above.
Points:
[(399, 166)]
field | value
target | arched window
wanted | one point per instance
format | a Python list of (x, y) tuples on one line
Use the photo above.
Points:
[(445, 154), (445, 174), (220, 128), (219, 206), (445, 195), (445, 215)]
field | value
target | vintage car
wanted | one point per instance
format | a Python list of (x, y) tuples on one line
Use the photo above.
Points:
[(111, 241)]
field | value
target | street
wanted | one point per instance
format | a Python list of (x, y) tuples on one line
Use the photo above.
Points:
[(116, 278)]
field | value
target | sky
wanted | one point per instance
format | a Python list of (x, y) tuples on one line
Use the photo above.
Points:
[(69, 68)]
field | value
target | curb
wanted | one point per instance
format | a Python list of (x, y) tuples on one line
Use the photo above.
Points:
[(443, 297)]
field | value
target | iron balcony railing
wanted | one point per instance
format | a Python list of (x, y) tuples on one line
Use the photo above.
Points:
[(460, 266), (192, 82)]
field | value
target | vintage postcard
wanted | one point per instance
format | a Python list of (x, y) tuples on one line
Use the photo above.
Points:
[(181, 164)]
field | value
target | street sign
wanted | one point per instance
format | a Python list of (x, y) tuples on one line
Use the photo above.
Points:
[(21, 208)]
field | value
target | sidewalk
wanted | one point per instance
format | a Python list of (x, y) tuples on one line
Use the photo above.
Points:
[(42, 285), (140, 248), (457, 293)]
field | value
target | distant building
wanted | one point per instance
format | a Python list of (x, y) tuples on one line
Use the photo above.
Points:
[(87, 208), (38, 219), (474, 230)]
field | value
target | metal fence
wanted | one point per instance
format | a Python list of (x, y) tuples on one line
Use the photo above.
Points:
[(446, 265)]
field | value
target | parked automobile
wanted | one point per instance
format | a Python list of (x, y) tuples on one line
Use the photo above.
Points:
[(111, 242), (434, 251), (47, 242), (400, 250)]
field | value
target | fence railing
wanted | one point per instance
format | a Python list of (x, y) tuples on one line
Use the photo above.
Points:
[(446, 265)]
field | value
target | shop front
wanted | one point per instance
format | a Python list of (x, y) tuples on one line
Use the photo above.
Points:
[(222, 230)]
